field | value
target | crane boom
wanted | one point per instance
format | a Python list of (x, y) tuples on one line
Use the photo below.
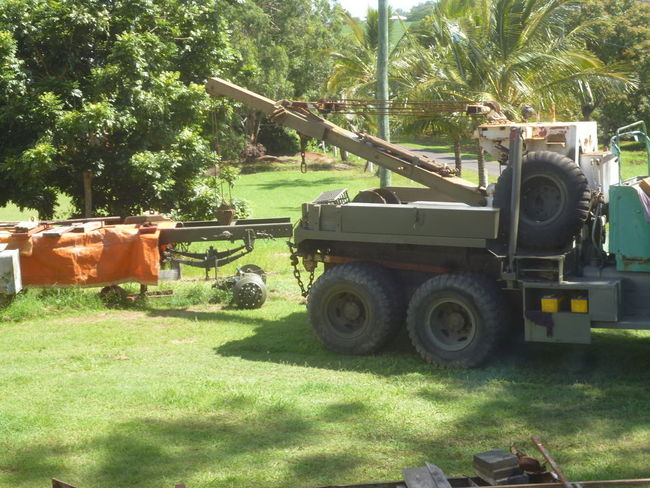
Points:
[(390, 156)]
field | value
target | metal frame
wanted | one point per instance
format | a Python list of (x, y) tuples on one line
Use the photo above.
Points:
[(615, 141), (203, 231), (392, 157)]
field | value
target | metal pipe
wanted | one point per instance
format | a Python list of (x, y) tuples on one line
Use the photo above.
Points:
[(515, 156), (555, 466), (589, 484), (382, 83)]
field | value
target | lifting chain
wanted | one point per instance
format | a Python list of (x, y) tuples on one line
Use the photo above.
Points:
[(304, 290), (303, 150)]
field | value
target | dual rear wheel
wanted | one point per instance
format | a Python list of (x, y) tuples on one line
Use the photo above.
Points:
[(453, 320), (355, 308)]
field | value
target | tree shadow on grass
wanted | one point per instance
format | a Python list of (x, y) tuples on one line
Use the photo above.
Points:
[(585, 401), (251, 443), (615, 356), (291, 183), (289, 340), (232, 442), (32, 465), (593, 395)]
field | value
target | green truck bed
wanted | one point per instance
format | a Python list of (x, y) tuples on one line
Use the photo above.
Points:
[(418, 223)]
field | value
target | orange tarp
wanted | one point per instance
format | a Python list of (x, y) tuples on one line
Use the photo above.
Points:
[(106, 256)]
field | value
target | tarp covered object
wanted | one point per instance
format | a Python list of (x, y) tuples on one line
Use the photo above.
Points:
[(106, 256)]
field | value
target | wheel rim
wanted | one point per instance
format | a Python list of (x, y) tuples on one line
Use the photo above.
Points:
[(543, 199), (450, 325), (346, 311)]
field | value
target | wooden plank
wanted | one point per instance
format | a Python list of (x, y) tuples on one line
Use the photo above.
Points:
[(429, 476), (58, 231), (26, 225), (87, 227), (81, 220), (28, 233)]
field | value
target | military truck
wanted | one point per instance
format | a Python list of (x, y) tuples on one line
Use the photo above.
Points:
[(559, 246)]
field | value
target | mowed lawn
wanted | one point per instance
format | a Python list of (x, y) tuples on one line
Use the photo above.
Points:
[(184, 390)]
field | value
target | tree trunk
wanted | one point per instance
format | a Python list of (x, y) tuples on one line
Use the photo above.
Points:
[(457, 156), (252, 126), (88, 193), (482, 170), (344, 155)]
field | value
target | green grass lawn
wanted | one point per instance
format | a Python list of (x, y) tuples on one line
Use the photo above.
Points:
[(184, 390), (13, 213), (634, 162)]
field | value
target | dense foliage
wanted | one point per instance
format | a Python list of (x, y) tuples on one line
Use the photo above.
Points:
[(622, 33), (514, 52), (280, 43), (577, 56), (116, 88)]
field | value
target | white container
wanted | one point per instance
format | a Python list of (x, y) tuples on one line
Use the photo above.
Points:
[(10, 277)]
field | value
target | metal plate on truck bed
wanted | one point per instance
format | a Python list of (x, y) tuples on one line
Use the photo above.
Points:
[(423, 223)]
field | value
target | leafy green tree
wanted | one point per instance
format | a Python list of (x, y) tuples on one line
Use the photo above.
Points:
[(110, 87), (621, 33), (420, 11), (355, 65), (509, 51), (280, 42), (514, 52), (26, 149)]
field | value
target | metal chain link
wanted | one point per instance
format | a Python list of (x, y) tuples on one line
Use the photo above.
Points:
[(303, 164), (303, 151), (304, 290)]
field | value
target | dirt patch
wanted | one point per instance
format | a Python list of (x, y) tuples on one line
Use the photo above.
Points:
[(93, 318), (183, 341), (310, 157), (315, 162)]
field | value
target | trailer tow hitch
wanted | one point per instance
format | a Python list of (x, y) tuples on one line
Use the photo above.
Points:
[(213, 258)]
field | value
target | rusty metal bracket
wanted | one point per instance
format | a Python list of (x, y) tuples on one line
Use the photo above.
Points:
[(60, 484), (554, 466)]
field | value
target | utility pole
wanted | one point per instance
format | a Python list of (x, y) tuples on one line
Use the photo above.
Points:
[(382, 84)]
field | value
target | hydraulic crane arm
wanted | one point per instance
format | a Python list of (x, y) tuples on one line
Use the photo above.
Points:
[(395, 158)]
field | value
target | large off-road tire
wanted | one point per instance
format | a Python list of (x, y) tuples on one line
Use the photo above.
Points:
[(355, 308), (458, 320), (555, 200)]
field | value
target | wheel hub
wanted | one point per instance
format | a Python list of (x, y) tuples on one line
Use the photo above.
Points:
[(455, 322), (346, 312), (351, 310), (451, 325), (542, 199)]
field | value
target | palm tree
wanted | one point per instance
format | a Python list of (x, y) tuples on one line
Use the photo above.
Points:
[(355, 68), (509, 51)]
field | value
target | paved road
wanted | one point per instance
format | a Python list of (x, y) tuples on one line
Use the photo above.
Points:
[(492, 166)]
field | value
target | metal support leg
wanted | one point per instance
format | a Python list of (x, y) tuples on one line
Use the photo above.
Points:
[(516, 162)]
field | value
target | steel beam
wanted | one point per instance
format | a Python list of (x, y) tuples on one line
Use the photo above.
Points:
[(389, 156), (203, 233)]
